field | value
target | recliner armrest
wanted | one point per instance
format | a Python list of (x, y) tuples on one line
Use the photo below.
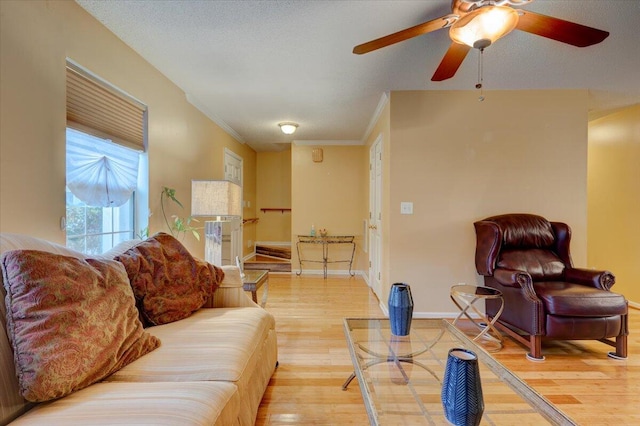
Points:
[(519, 281), (603, 280), (512, 277)]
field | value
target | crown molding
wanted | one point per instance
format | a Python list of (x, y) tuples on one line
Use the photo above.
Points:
[(384, 100), (342, 142), (220, 122)]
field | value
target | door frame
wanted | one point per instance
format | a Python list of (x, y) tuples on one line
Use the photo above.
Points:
[(375, 223), (236, 234)]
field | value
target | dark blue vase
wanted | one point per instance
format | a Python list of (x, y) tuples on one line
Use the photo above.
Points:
[(461, 389), (400, 309)]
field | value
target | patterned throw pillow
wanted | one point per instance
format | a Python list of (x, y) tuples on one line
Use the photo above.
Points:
[(169, 284), (72, 322)]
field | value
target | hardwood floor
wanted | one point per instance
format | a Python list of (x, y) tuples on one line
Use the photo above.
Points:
[(314, 361)]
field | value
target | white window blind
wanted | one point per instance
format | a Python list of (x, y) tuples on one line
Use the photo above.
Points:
[(94, 106), (103, 123), (99, 172)]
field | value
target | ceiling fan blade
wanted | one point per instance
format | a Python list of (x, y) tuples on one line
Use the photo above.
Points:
[(451, 61), (559, 30), (426, 27)]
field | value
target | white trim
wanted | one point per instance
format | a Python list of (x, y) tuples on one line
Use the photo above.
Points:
[(220, 122), (229, 153), (384, 100), (343, 142), (365, 277), (365, 235), (84, 72), (385, 308), (273, 243), (634, 305)]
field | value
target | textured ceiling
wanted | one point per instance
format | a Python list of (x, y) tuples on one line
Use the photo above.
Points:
[(249, 65)]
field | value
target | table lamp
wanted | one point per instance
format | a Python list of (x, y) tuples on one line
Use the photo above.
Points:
[(222, 200)]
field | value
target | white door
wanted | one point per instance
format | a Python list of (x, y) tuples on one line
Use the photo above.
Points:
[(232, 231), (375, 216)]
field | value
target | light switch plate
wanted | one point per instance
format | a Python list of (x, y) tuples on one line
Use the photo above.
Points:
[(406, 207)]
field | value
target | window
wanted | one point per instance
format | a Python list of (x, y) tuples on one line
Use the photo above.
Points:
[(107, 182), (96, 221), (94, 230)]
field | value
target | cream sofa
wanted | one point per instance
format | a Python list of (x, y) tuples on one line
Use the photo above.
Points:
[(211, 368)]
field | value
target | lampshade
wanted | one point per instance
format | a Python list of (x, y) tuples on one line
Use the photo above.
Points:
[(288, 128), (484, 26), (215, 198)]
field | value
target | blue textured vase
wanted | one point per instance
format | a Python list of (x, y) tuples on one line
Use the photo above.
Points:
[(400, 309), (461, 389)]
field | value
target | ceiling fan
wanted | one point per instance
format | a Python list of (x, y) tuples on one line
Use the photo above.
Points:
[(479, 23)]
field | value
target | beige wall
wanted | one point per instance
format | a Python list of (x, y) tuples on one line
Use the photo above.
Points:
[(330, 195), (36, 38), (273, 177), (614, 198), (459, 160)]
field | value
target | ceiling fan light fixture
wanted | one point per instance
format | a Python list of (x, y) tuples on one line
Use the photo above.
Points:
[(288, 128), (484, 26)]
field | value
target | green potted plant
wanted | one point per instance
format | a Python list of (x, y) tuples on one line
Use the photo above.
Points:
[(180, 226)]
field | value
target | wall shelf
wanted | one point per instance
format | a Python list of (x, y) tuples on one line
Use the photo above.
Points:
[(279, 209)]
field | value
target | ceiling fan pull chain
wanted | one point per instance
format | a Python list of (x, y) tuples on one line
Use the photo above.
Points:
[(480, 75)]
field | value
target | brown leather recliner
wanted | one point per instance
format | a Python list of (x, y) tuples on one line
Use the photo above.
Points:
[(527, 258)]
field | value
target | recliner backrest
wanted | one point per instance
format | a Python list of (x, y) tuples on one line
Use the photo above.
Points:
[(527, 243), (521, 231)]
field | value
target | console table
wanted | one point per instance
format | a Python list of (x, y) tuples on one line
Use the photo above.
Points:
[(326, 242)]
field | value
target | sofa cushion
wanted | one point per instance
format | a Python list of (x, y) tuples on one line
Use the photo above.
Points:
[(11, 402), (117, 250), (175, 404), (9, 241), (71, 321), (212, 344), (169, 284)]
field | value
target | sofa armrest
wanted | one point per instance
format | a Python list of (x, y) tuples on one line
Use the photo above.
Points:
[(230, 293), (603, 280)]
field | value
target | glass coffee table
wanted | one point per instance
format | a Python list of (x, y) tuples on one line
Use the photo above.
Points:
[(400, 377)]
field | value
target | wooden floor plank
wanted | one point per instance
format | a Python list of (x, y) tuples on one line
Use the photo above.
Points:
[(577, 376)]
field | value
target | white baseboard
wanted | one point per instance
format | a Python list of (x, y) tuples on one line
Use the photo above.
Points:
[(634, 305), (272, 243)]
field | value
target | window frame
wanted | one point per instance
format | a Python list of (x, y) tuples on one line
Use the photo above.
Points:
[(98, 108)]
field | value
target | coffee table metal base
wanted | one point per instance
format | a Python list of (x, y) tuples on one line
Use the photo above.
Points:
[(395, 356)]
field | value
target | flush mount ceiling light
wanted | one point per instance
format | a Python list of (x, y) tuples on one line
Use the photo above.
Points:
[(288, 128), (484, 26)]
